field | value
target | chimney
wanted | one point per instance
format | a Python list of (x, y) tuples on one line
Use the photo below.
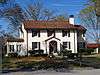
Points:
[(71, 19)]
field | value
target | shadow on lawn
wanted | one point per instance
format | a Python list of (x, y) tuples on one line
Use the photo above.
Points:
[(58, 65), (55, 65)]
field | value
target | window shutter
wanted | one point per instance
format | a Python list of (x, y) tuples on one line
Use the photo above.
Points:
[(69, 45), (39, 45), (68, 33), (38, 33)]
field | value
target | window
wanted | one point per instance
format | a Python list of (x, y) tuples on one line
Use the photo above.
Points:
[(35, 33), (78, 34), (64, 45), (11, 48), (18, 48), (35, 45), (81, 44), (65, 33), (83, 34), (50, 32)]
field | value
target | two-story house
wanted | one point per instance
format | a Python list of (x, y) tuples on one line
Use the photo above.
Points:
[(49, 36)]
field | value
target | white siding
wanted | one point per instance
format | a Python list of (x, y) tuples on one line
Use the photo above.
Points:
[(43, 36)]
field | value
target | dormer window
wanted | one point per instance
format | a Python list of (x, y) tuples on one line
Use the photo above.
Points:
[(50, 32), (35, 33)]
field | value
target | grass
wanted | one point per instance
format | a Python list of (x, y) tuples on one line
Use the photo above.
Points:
[(42, 62), (32, 62), (94, 58), (19, 62)]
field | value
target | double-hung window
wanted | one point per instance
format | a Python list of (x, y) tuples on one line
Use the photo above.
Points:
[(11, 48), (66, 45), (81, 44), (65, 33), (35, 45), (50, 32), (18, 48), (35, 33)]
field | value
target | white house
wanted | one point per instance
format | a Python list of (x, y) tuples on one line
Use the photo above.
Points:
[(49, 36)]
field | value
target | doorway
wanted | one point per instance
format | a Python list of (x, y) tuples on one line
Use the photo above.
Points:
[(52, 47)]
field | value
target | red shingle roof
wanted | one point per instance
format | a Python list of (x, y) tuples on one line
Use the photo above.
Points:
[(31, 24), (15, 40), (93, 45)]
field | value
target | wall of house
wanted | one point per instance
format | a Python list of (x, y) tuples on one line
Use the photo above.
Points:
[(72, 39), (15, 46), (23, 35), (43, 36)]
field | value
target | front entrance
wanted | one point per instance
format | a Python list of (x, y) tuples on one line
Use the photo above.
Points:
[(52, 47)]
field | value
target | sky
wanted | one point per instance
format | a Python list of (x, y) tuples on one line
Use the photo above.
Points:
[(70, 7)]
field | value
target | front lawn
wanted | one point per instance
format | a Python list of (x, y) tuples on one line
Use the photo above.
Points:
[(18, 62), (36, 63)]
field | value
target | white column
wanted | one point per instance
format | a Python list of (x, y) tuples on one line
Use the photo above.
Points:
[(7, 48), (75, 35)]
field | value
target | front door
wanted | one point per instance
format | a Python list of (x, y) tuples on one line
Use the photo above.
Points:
[(52, 47)]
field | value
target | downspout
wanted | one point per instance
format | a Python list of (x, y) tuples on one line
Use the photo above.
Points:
[(46, 47), (74, 42), (27, 43)]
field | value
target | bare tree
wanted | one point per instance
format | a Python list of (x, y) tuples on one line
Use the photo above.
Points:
[(3, 39), (97, 4), (13, 14), (36, 11), (89, 20), (62, 17)]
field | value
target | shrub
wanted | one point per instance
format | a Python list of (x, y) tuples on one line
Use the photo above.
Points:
[(86, 50), (43, 55), (65, 52), (72, 55), (12, 54), (33, 52)]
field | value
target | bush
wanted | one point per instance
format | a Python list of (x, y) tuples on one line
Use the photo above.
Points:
[(72, 55), (65, 52), (12, 54), (33, 52), (86, 50), (42, 55)]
